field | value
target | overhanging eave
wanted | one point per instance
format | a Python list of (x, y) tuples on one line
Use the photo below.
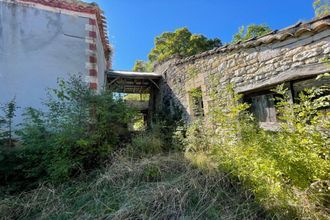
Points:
[(132, 75)]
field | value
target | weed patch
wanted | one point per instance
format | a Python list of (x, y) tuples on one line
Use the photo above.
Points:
[(157, 187)]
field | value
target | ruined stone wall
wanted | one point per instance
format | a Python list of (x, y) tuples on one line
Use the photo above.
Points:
[(292, 53)]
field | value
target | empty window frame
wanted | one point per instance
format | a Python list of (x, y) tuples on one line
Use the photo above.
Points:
[(197, 105), (299, 86), (263, 103)]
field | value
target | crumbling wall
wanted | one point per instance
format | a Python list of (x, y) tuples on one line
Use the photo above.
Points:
[(293, 53)]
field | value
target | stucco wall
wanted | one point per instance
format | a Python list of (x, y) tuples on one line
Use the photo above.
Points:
[(248, 68), (36, 47), (101, 62)]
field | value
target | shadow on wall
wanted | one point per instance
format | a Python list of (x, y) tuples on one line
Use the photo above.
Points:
[(170, 105)]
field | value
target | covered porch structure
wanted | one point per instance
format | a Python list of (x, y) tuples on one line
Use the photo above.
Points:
[(128, 82)]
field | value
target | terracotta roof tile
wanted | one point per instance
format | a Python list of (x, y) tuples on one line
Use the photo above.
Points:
[(296, 30)]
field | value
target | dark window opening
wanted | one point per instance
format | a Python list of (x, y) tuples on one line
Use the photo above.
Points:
[(197, 102), (263, 103), (165, 75), (263, 107), (300, 86)]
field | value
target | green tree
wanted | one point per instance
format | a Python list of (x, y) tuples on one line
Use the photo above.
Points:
[(2, 123), (251, 31), (85, 127), (182, 43), (9, 110), (321, 7), (142, 66)]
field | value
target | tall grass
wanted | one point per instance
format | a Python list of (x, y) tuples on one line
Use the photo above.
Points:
[(158, 187)]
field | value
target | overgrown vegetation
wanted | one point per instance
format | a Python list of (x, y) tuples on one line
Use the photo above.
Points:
[(6, 123), (288, 171), (231, 168), (252, 31), (157, 187), (78, 161), (137, 97), (142, 66), (76, 134), (321, 7)]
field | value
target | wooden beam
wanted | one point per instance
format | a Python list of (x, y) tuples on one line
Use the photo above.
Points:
[(113, 81), (153, 82), (292, 74)]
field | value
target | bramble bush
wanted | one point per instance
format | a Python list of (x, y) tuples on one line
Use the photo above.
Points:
[(77, 133), (288, 170)]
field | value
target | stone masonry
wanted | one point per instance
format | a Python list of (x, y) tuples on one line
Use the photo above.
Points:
[(296, 52)]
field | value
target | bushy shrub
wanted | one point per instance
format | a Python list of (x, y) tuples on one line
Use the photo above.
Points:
[(284, 169), (77, 133), (171, 128)]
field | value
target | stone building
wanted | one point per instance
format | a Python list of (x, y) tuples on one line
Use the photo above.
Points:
[(42, 40), (294, 56)]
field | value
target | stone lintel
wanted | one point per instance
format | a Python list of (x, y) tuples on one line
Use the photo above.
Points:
[(308, 70)]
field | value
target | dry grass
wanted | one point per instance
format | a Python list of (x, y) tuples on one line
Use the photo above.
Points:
[(160, 187)]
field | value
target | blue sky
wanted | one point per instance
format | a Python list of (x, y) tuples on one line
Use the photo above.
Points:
[(133, 24)]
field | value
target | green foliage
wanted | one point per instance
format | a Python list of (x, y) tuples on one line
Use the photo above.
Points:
[(142, 66), (196, 93), (138, 121), (34, 130), (6, 121), (251, 31), (307, 154), (137, 97), (182, 43), (147, 143), (321, 7), (77, 133), (139, 124), (284, 169), (2, 131), (171, 128)]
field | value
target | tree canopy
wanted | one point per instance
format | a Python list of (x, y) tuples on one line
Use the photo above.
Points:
[(251, 31), (142, 66), (321, 7), (182, 43)]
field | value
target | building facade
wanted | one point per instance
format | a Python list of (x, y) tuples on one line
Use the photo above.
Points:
[(293, 56), (43, 40)]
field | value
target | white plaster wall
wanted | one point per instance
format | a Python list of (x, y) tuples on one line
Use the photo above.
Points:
[(101, 62), (37, 47)]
